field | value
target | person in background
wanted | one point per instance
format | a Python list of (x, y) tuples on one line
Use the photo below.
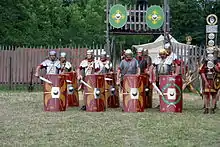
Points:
[(173, 57), (129, 65), (105, 64), (65, 65)]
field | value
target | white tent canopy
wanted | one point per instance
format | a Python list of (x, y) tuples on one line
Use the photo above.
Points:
[(154, 47)]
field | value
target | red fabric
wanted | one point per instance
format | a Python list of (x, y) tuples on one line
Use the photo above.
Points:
[(41, 66), (218, 66), (178, 62), (80, 68), (97, 69), (103, 60), (202, 69), (126, 59), (139, 58)]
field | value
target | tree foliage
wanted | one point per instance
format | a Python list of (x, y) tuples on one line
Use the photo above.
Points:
[(66, 22)]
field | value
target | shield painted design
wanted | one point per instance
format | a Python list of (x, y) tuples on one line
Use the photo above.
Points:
[(170, 86), (55, 94), (118, 16), (154, 17)]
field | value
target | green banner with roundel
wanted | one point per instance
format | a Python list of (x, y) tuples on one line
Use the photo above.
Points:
[(154, 17), (118, 16)]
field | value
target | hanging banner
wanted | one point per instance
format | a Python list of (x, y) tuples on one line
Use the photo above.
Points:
[(118, 16), (154, 17)]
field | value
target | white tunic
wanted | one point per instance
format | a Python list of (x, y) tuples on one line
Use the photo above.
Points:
[(52, 67), (67, 65), (89, 66)]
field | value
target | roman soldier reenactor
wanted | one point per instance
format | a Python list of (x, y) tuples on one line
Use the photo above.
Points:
[(144, 60), (87, 66), (210, 73), (163, 66), (173, 57), (65, 65), (105, 64), (129, 65), (52, 64)]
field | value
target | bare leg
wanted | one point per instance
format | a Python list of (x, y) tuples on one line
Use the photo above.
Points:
[(207, 102), (213, 103), (84, 102)]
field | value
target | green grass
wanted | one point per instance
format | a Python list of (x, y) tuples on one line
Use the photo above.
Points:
[(24, 123), (20, 88)]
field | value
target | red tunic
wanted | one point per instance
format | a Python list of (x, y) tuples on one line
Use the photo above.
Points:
[(204, 70)]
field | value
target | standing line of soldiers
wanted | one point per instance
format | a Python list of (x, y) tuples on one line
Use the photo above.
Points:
[(89, 65), (166, 63)]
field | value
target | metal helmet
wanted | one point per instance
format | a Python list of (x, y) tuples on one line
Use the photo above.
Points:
[(128, 52), (63, 54), (103, 53), (140, 50), (89, 52), (52, 53), (162, 51)]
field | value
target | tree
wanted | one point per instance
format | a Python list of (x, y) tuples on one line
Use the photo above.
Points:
[(187, 19)]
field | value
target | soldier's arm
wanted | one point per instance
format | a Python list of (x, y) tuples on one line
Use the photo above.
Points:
[(152, 74), (149, 61), (217, 67), (42, 65), (79, 76), (138, 70), (37, 70), (119, 72), (202, 72), (178, 66), (118, 76)]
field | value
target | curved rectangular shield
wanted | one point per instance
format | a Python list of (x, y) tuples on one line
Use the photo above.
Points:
[(133, 93), (55, 94), (94, 94), (171, 87)]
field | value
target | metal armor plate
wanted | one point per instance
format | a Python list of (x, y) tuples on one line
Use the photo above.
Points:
[(171, 87), (163, 69), (55, 94)]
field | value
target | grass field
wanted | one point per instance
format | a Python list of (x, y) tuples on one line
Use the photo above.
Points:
[(24, 123)]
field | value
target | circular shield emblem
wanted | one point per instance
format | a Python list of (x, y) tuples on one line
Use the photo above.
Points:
[(212, 19), (179, 95), (118, 16), (154, 17)]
